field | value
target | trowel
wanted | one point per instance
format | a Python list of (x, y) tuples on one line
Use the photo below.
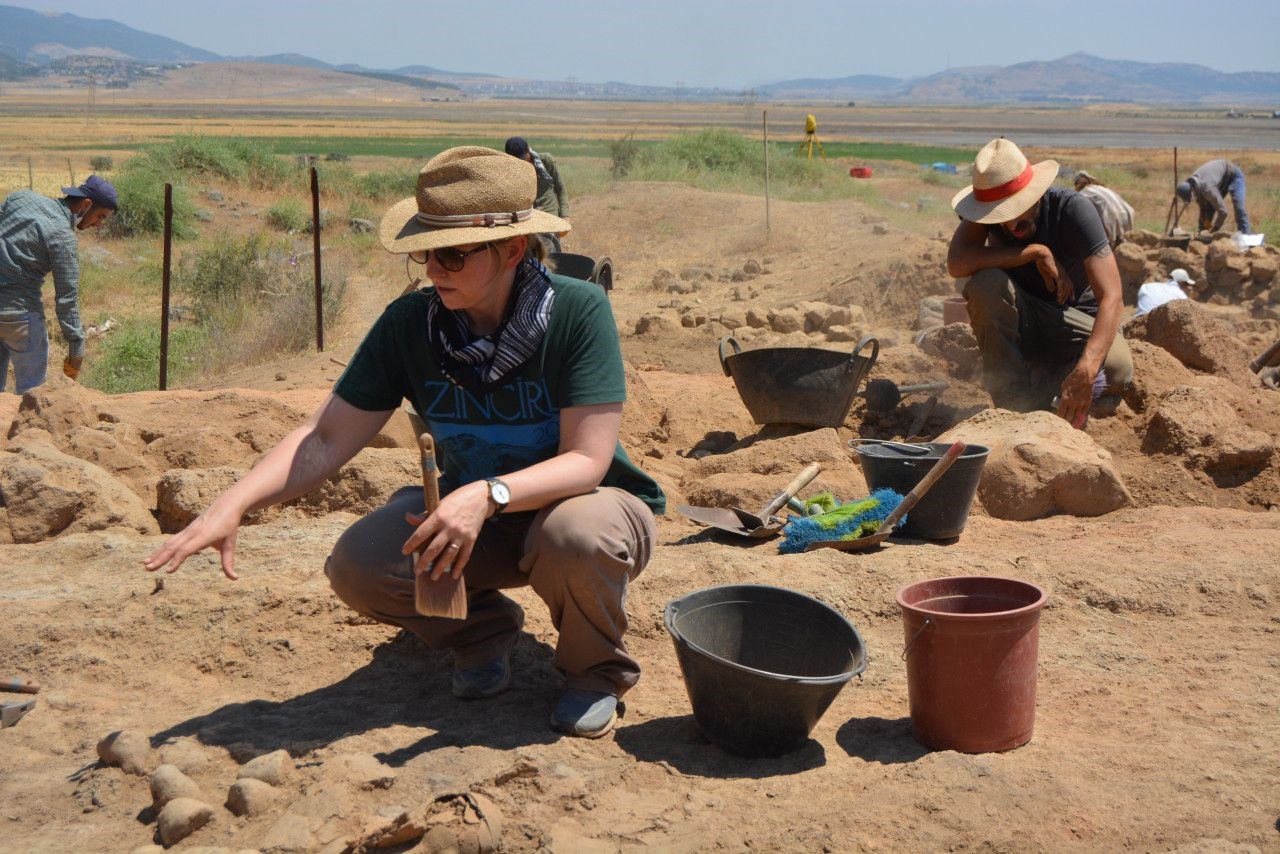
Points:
[(743, 523)]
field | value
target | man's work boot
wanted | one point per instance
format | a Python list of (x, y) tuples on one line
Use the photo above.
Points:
[(586, 714)]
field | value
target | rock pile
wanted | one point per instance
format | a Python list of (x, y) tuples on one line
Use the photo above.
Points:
[(1224, 274)]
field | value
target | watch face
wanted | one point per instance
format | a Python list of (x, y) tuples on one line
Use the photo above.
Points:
[(499, 491)]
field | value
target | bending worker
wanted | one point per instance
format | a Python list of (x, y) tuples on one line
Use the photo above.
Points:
[(1116, 214), (1044, 292), (37, 237), (518, 374), (552, 197), (1208, 185)]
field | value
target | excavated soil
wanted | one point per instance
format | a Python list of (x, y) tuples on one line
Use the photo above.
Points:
[(1158, 713)]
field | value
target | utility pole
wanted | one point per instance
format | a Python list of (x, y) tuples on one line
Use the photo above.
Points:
[(92, 119)]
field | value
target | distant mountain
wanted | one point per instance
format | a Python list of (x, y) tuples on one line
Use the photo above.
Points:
[(41, 38), (856, 86), (405, 79), (297, 60), (1078, 78), (12, 69), (428, 71), (30, 38)]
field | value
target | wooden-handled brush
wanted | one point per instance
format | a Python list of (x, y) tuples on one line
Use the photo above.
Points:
[(446, 596)]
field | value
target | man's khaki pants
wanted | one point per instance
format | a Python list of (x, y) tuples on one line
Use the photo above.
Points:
[(1029, 345), (578, 554)]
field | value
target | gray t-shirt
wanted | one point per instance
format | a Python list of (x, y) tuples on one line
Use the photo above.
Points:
[(1069, 225)]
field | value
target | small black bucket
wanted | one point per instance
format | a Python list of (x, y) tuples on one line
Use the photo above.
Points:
[(942, 512), (761, 664), (582, 267), (797, 385)]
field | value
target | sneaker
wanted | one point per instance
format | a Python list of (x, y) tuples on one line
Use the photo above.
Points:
[(487, 680), (586, 714)]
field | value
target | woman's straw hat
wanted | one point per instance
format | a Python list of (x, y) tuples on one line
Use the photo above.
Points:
[(1004, 184), (465, 195)]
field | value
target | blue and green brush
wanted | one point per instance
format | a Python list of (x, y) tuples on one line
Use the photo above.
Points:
[(847, 521)]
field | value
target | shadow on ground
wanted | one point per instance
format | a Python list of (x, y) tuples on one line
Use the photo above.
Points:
[(678, 742), (883, 740), (404, 684)]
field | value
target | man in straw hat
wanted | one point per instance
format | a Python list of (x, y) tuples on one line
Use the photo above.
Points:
[(518, 375), (1044, 292)]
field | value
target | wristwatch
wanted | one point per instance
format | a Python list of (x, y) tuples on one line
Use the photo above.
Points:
[(499, 494)]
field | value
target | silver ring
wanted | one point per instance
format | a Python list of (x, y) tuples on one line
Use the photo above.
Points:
[(452, 546)]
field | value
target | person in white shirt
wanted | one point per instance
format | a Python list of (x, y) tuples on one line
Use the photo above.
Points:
[(1154, 294)]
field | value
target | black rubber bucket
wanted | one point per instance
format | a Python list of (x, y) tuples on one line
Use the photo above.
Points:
[(582, 267), (797, 385), (943, 511), (761, 664)]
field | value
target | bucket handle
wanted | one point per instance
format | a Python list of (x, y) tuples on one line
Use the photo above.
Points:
[(906, 649), (862, 345), (737, 348)]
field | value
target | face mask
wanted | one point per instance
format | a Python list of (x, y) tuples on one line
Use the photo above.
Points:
[(78, 218)]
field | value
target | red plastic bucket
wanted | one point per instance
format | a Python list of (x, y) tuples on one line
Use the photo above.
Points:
[(971, 646), (860, 171)]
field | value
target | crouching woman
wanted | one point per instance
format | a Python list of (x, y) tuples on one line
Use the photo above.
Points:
[(518, 375)]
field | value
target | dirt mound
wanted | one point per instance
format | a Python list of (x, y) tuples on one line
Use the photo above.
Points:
[(1204, 428), (48, 493), (1194, 337)]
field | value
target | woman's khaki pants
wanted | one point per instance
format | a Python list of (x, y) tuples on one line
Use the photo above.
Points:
[(578, 555)]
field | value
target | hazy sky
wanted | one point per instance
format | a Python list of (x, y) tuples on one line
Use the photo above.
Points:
[(724, 43)]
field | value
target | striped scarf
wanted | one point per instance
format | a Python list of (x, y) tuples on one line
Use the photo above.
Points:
[(541, 169), (485, 363)]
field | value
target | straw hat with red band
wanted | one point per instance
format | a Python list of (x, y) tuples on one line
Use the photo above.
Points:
[(1005, 184)]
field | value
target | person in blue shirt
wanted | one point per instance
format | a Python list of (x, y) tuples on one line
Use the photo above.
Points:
[(38, 237)]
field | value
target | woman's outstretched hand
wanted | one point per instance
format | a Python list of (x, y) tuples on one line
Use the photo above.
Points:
[(215, 527)]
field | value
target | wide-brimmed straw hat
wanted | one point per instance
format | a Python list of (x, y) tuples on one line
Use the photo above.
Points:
[(468, 194), (1004, 184)]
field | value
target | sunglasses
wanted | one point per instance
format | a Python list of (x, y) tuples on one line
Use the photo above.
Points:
[(451, 258)]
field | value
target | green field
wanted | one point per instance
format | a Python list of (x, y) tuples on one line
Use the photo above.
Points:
[(422, 148)]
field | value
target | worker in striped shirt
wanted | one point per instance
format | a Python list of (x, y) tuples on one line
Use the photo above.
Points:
[(38, 237), (1116, 213)]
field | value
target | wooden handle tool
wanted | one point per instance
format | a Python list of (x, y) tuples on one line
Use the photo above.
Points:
[(931, 477), (798, 483), (446, 596), (20, 685)]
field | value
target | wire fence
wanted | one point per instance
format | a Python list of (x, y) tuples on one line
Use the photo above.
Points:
[(42, 174)]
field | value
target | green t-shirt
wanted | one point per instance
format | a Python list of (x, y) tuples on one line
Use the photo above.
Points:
[(517, 425)]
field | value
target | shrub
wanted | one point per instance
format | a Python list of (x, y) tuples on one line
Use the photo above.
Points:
[(360, 209), (232, 159), (100, 163), (622, 154), (198, 155), (130, 357), (337, 157), (255, 296), (379, 186), (141, 189), (287, 215), (262, 168), (712, 150)]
